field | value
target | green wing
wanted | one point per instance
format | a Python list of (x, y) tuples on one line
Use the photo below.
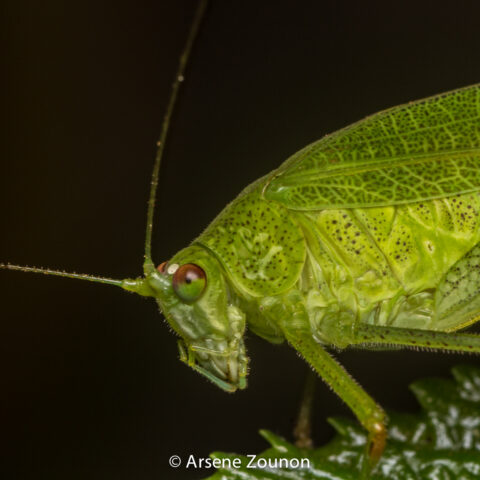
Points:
[(415, 152)]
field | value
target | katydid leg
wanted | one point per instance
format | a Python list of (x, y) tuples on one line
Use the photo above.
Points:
[(416, 338), (303, 428), (368, 412)]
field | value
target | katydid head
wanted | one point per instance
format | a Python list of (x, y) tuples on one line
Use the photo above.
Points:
[(191, 290), (193, 294)]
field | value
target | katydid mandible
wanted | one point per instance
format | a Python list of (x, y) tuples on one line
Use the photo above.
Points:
[(369, 236)]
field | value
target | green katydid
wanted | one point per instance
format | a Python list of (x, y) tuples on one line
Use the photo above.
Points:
[(368, 236)]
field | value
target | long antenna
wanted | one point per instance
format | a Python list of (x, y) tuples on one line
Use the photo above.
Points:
[(148, 265), (138, 285), (59, 273)]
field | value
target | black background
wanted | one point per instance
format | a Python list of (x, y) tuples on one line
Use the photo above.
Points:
[(91, 382)]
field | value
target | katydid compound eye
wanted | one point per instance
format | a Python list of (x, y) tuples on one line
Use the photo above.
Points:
[(189, 282)]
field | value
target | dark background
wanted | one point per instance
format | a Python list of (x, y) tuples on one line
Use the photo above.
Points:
[(91, 382)]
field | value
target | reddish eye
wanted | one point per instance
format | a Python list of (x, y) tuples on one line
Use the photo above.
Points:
[(189, 282), (162, 267)]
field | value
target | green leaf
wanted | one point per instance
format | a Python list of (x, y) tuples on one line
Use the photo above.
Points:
[(441, 442)]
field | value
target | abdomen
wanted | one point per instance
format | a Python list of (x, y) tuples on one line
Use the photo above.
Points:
[(386, 262)]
